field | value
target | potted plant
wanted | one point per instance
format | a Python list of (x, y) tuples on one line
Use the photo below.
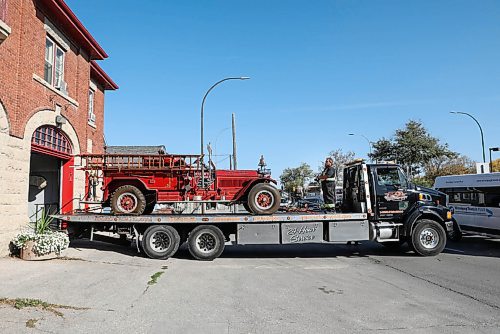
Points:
[(39, 242)]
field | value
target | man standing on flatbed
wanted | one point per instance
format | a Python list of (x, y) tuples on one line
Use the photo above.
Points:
[(328, 178)]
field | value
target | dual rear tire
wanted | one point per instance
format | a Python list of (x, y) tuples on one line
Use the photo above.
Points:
[(205, 242), (160, 241)]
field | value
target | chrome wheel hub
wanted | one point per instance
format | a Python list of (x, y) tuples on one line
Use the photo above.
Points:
[(429, 238), (160, 241), (206, 242)]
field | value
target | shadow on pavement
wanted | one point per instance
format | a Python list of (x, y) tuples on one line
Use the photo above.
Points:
[(106, 247), (469, 246), (474, 245), (363, 249)]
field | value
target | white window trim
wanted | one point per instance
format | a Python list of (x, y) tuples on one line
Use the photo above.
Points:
[(62, 70), (89, 118), (56, 35), (56, 47), (5, 31), (55, 90), (93, 85)]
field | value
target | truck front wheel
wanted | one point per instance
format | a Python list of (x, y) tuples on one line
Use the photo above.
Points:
[(128, 200), (428, 238), (160, 242), (263, 199), (206, 242)]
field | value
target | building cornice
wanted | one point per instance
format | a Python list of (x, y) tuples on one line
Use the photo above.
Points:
[(59, 10), (101, 77)]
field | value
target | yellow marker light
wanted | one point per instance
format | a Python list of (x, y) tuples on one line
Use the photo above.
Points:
[(420, 197), (448, 215)]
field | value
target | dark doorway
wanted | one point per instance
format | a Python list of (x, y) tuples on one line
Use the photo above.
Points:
[(44, 185)]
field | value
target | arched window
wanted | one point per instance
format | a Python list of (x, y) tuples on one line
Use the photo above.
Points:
[(50, 140)]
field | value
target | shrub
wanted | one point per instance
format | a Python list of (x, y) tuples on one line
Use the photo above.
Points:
[(45, 241)]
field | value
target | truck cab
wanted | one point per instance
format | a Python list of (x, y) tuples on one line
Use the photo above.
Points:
[(399, 210)]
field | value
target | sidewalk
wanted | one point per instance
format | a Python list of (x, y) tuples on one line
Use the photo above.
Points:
[(91, 281)]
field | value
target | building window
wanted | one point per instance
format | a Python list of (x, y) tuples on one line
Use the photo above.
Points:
[(54, 65), (52, 139), (91, 107)]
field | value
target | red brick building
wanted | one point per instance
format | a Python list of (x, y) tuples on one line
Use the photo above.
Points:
[(51, 108)]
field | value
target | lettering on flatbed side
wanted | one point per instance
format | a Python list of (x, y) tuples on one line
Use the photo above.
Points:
[(302, 233)]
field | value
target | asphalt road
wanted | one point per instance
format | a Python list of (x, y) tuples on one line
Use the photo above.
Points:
[(259, 289)]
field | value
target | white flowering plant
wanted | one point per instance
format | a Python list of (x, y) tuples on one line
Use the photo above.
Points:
[(44, 240)]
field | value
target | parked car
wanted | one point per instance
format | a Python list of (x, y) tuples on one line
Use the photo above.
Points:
[(311, 203)]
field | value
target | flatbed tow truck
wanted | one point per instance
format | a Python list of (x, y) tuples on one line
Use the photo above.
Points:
[(379, 204)]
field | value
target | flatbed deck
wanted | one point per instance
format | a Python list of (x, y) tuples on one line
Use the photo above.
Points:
[(210, 218)]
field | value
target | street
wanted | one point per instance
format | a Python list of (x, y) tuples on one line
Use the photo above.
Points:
[(105, 288)]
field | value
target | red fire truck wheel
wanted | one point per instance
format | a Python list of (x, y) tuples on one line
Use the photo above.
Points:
[(128, 200), (263, 199)]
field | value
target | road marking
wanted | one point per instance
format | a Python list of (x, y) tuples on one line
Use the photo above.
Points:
[(454, 250)]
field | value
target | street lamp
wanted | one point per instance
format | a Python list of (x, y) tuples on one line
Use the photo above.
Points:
[(368, 140), (201, 134), (493, 149), (480, 129)]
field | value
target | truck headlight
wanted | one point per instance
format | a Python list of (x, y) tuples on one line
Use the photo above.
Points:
[(424, 197)]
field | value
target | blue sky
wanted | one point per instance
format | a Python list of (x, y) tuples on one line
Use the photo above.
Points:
[(319, 70)]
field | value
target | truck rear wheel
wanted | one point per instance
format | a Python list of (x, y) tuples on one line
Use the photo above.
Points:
[(128, 200), (263, 199), (160, 241), (206, 242), (428, 238)]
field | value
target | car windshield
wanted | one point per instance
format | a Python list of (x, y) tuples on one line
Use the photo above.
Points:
[(390, 177)]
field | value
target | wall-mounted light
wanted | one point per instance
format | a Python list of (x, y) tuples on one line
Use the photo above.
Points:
[(60, 120)]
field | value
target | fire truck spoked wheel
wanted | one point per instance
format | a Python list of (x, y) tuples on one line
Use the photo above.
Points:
[(263, 199), (206, 242), (160, 241), (128, 200)]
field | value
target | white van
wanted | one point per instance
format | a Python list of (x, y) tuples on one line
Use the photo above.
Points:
[(475, 199)]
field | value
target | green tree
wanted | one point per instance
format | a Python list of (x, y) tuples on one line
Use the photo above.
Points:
[(495, 165), (412, 147), (293, 178), (445, 166)]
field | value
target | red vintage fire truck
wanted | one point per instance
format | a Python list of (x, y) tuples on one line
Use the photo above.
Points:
[(135, 183)]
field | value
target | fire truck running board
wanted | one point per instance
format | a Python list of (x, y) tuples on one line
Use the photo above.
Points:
[(209, 219)]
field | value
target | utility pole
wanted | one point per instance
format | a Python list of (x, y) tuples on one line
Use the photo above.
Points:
[(235, 164)]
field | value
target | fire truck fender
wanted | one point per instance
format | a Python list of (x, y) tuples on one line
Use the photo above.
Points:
[(118, 182), (243, 193)]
